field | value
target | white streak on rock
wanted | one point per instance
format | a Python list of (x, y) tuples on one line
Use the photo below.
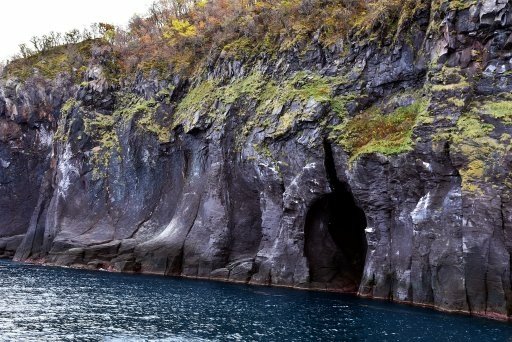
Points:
[(66, 170), (427, 166), (420, 212), (45, 137)]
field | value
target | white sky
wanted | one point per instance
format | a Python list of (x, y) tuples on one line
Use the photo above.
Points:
[(22, 19)]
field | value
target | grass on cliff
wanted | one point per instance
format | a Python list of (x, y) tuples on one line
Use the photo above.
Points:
[(71, 59), (375, 132), (388, 18)]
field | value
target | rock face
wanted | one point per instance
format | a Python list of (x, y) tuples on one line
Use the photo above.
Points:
[(28, 114), (256, 171)]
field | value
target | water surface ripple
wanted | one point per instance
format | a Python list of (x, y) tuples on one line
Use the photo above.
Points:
[(55, 304)]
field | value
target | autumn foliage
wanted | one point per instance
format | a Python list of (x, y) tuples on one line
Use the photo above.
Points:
[(182, 35), (178, 35)]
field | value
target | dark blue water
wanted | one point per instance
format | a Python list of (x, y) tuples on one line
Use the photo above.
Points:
[(55, 304)]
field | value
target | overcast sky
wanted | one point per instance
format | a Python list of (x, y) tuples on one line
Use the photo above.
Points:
[(22, 19)]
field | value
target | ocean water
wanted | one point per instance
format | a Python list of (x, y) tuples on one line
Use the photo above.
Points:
[(56, 304)]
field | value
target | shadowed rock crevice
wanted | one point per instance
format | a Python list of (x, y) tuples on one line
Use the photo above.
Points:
[(335, 244)]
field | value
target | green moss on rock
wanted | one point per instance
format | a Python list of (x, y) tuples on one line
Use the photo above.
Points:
[(133, 107), (375, 132), (476, 142), (501, 110), (269, 97)]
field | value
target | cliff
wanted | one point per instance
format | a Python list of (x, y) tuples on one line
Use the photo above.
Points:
[(379, 166)]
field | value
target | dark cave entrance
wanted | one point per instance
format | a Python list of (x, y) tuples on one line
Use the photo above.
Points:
[(335, 240)]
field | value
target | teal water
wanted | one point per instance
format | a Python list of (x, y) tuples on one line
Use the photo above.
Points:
[(56, 304)]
